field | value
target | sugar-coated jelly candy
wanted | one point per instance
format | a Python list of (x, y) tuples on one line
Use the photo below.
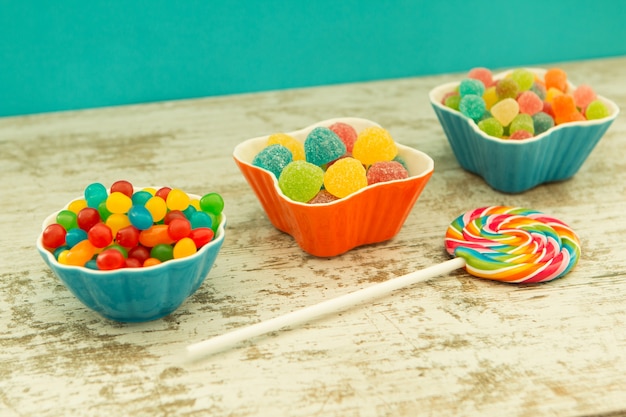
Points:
[(374, 144), (273, 158), (100, 235), (453, 101), (116, 221), (301, 180), (386, 171), (87, 218), (539, 89), (529, 103), (556, 78), (522, 122), (542, 122), (53, 236), (292, 144), (521, 134), (118, 203), (492, 127), (523, 78), (583, 95), (471, 86), (177, 199), (74, 236), (596, 110), (183, 248), (507, 88), (163, 252), (201, 236), (95, 194), (490, 97), (140, 217), (505, 111), (128, 236), (157, 208), (322, 145), (212, 203), (483, 74), (67, 219), (110, 259), (346, 133), (345, 177), (122, 186), (472, 106), (323, 197), (140, 197)]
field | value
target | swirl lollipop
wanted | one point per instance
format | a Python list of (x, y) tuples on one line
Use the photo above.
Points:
[(508, 244)]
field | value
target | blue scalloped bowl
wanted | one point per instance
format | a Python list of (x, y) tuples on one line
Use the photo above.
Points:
[(514, 166), (137, 294)]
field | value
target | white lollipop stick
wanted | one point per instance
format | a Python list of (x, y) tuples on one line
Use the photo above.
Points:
[(228, 340)]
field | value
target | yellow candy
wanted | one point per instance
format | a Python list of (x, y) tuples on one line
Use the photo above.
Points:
[(157, 207), (374, 144), (296, 148), (490, 97), (184, 247), (177, 200), (77, 205), (551, 93), (82, 252), (118, 203), (116, 221), (345, 177)]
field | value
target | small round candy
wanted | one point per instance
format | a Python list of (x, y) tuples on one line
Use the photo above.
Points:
[(301, 180), (201, 236), (177, 200), (163, 192), (542, 122), (529, 103), (294, 146), (346, 133), (116, 221), (492, 127), (157, 208), (471, 86), (151, 262), (521, 134), (522, 122), (87, 218), (155, 235), (322, 145), (505, 111), (128, 236), (77, 205), (163, 252), (53, 236), (556, 78), (67, 219), (523, 78), (103, 211), (386, 171), (100, 235), (453, 101), (95, 194), (472, 106), (118, 203), (74, 236), (123, 187), (141, 197), (80, 254), (507, 88), (183, 248), (345, 177), (322, 197), (596, 110), (133, 263), (139, 252), (201, 219), (110, 259), (140, 217), (483, 74), (212, 203), (583, 95), (178, 229), (273, 158), (490, 97), (175, 214), (374, 144)]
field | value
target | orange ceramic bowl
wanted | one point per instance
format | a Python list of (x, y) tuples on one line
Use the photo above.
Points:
[(373, 214)]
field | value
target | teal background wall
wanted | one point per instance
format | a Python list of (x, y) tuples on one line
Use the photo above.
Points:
[(73, 54)]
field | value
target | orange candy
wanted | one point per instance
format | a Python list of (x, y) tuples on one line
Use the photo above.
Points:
[(556, 78), (155, 235)]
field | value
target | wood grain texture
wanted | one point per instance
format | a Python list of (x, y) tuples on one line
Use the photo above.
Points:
[(455, 345)]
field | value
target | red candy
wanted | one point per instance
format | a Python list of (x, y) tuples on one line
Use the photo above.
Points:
[(386, 171), (127, 237), (110, 259), (123, 187), (100, 235), (87, 218), (54, 236)]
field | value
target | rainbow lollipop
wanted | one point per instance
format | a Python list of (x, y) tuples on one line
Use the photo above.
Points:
[(508, 244)]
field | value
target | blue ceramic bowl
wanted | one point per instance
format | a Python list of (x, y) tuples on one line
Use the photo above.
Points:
[(137, 294), (514, 166)]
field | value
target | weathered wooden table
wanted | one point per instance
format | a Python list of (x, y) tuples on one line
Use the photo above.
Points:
[(453, 346)]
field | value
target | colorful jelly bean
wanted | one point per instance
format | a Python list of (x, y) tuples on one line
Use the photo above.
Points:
[(127, 229)]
